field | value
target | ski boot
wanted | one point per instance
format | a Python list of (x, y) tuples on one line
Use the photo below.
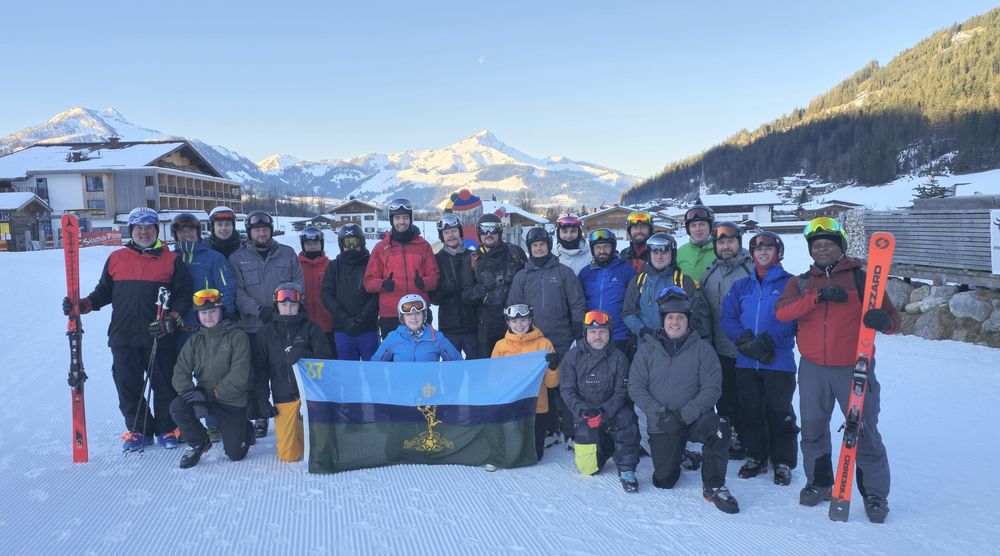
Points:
[(691, 460), (782, 474), (570, 444), (752, 468), (629, 482), (192, 454), (134, 442), (877, 508), (722, 499), (169, 439), (490, 467), (260, 428), (214, 435), (736, 449), (811, 495)]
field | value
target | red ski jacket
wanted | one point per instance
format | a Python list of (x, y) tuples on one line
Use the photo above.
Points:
[(403, 261), (313, 271)]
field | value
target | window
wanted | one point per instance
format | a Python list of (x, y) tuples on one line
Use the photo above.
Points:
[(601, 221), (369, 217), (95, 183), (149, 181), (42, 188), (96, 205), (369, 230)]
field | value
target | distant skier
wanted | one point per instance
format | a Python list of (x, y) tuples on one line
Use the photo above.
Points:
[(826, 301)]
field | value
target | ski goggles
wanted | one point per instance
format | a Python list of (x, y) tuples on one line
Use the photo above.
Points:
[(823, 224), (671, 292), (697, 213), (210, 295), (758, 242), (143, 217), (601, 233), (568, 221), (311, 234), (640, 217), (400, 204), (661, 245), (260, 219), (517, 311), (415, 306), (490, 228), (223, 215), (722, 231), (596, 319), (352, 242), (449, 221), (282, 296)]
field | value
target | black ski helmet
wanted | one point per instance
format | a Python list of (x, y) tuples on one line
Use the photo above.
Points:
[(490, 219), (726, 229), (755, 242), (447, 222), (185, 220), (346, 231), (673, 299), (698, 213), (602, 235), (400, 206), (662, 241), (537, 234), (289, 286), (311, 233), (258, 219)]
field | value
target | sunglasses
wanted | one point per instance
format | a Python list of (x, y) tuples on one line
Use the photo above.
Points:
[(490, 228), (412, 307), (724, 230), (351, 242), (601, 233), (671, 292), (568, 222), (282, 296), (697, 213), (640, 217), (202, 297), (517, 311), (822, 224), (397, 204), (596, 318), (260, 219)]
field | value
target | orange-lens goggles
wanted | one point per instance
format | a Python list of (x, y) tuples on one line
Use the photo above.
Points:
[(412, 307), (596, 318), (206, 296), (287, 295), (640, 217), (823, 224), (723, 231)]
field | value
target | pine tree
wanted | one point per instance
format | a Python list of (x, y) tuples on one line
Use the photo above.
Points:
[(931, 189)]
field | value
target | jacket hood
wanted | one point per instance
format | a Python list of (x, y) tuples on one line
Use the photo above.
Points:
[(552, 262), (353, 257), (529, 336), (318, 261)]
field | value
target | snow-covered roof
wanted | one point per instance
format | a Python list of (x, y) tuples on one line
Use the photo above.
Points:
[(492, 206), (41, 158), (19, 199), (740, 199), (373, 206), (816, 205)]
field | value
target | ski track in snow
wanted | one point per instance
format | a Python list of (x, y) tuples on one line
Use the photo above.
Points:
[(131, 504)]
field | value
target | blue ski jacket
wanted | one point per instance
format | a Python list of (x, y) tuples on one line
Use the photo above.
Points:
[(749, 305)]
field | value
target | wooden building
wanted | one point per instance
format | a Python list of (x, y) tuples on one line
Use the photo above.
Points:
[(24, 218), (365, 214), (816, 209)]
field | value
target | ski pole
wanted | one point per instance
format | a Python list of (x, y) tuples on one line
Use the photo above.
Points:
[(162, 302)]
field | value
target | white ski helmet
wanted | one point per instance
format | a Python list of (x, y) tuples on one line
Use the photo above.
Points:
[(409, 304)]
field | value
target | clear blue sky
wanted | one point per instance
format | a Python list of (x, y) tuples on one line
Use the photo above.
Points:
[(632, 87)]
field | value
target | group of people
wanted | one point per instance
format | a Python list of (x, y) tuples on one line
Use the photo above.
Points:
[(647, 350)]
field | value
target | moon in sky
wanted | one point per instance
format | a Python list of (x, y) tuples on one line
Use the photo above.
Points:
[(482, 59)]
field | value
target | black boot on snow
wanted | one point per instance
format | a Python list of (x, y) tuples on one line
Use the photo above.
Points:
[(782, 474), (877, 508), (192, 454), (752, 468), (629, 482), (736, 449), (260, 428), (722, 499), (811, 495), (691, 460)]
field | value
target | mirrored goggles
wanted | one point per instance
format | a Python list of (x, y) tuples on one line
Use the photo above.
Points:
[(260, 218), (281, 296), (311, 234), (412, 307), (517, 310), (601, 233), (697, 212), (568, 222), (490, 228), (724, 230), (397, 204), (640, 217), (202, 297), (596, 319), (352, 242), (223, 215), (671, 292), (448, 221), (823, 224)]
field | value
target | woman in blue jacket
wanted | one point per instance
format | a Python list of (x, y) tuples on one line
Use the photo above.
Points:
[(765, 365), (414, 339)]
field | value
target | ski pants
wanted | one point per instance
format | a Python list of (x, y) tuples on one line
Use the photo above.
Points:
[(492, 328), (819, 387), (129, 365), (667, 451), (358, 347), (331, 340), (467, 342), (728, 406), (232, 421), (616, 437), (767, 415), (289, 431)]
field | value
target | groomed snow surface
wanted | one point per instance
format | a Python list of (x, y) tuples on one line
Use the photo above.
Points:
[(938, 421)]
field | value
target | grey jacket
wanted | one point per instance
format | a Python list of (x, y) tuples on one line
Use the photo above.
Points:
[(575, 259), (689, 382), (715, 284), (594, 379), (557, 297), (257, 277), (641, 310), (219, 359)]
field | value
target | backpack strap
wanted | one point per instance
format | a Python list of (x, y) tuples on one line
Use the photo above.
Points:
[(678, 277), (640, 280)]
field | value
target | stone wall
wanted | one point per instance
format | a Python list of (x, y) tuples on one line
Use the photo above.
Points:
[(945, 313)]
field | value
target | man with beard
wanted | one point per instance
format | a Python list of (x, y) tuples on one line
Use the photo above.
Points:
[(456, 317), (570, 246), (605, 282), (495, 263), (355, 311), (638, 228), (695, 256)]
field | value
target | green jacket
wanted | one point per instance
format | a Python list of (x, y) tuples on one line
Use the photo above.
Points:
[(694, 261), (218, 358)]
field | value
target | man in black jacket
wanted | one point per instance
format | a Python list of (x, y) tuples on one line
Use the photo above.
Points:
[(456, 318), (494, 264), (355, 311)]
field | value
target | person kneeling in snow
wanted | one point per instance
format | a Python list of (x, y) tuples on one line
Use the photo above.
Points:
[(415, 340), (676, 379), (594, 385), (218, 358)]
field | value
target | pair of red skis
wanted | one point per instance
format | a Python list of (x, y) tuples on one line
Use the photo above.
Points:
[(71, 251)]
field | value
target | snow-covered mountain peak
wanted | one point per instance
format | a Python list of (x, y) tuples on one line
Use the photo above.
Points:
[(277, 162)]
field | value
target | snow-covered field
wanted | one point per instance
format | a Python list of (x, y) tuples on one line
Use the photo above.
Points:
[(938, 421)]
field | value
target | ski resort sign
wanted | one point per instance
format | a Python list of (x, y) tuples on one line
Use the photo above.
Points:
[(995, 239)]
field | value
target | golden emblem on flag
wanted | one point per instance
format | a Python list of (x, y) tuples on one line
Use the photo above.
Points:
[(428, 441)]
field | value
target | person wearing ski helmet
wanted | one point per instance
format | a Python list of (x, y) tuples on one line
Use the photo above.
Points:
[(211, 377), (456, 316), (315, 263), (355, 311), (638, 228), (826, 303), (259, 267), (570, 246), (401, 264), (764, 370), (495, 263), (523, 337), (605, 281), (732, 263), (130, 283), (223, 236), (594, 384), (278, 346), (208, 268), (695, 256), (676, 380), (554, 292), (414, 339)]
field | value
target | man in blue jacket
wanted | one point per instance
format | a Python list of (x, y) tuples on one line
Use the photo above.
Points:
[(765, 365), (208, 268), (605, 282)]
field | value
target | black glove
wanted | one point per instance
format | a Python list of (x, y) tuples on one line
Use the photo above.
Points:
[(388, 285), (588, 413), (266, 314), (833, 292), (194, 395), (417, 280), (200, 410), (671, 423), (760, 348), (353, 327), (84, 305), (643, 332), (553, 358), (745, 337), (264, 408), (165, 325), (878, 319)]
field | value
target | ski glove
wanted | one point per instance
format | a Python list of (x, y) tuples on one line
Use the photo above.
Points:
[(671, 423), (266, 314), (85, 306), (264, 408), (760, 348), (418, 281), (745, 337), (165, 325), (553, 358), (592, 417), (388, 285), (833, 292), (643, 332), (878, 319), (198, 395)]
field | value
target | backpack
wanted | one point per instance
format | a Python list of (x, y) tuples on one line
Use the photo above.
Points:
[(640, 280), (859, 282)]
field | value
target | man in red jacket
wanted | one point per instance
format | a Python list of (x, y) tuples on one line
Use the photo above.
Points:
[(826, 300), (314, 262), (400, 264)]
